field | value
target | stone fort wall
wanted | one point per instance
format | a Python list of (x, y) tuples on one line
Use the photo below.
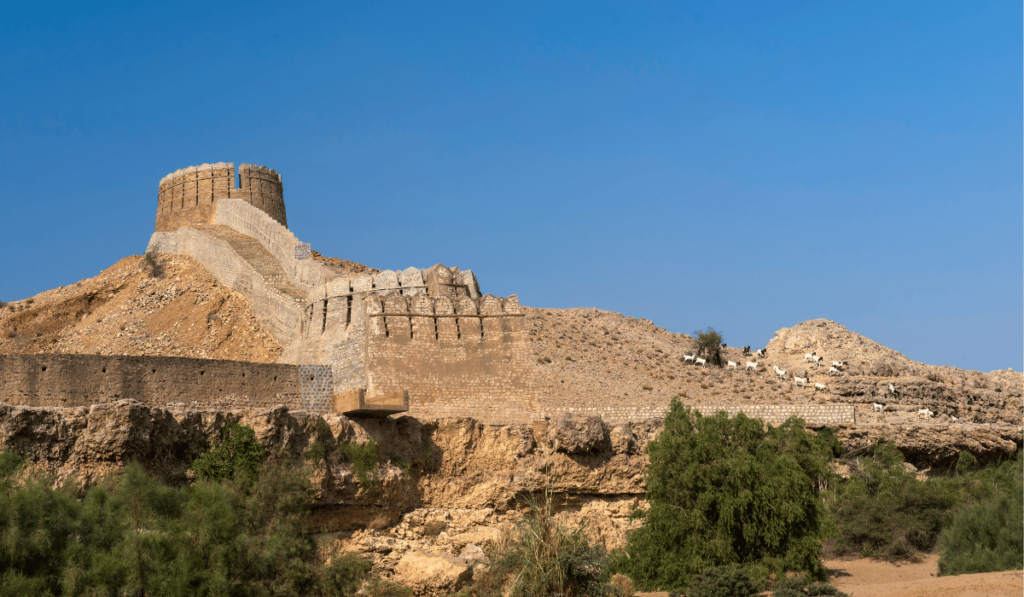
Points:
[(72, 380), (186, 197)]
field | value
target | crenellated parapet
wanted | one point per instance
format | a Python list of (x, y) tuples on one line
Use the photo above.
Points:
[(440, 318), (188, 197)]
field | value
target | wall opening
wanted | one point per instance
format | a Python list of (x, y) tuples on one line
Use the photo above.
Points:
[(387, 334), (348, 310), (458, 330), (435, 329), (323, 327)]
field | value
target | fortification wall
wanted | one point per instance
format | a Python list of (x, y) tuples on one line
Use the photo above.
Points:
[(615, 411), (456, 356), (279, 314), (81, 380), (276, 238), (265, 190), (187, 197)]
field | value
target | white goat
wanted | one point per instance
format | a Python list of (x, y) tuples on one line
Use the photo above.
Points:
[(809, 356), (701, 362), (731, 364), (952, 417), (781, 373), (752, 365), (925, 413), (820, 386), (832, 370), (838, 364), (689, 357), (762, 353), (878, 407), (817, 361), (892, 390), (800, 380)]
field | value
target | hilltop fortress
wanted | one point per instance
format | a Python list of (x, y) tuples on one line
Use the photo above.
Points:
[(426, 332)]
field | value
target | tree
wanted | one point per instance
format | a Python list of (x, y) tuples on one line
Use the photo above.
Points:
[(709, 346), (730, 491)]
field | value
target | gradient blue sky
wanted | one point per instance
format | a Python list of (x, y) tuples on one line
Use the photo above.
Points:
[(746, 166)]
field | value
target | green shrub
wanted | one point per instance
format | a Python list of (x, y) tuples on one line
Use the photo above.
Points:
[(709, 346), (724, 581), (729, 491), (801, 586), (364, 463), (236, 454), (132, 535), (986, 536), (541, 556), (883, 511)]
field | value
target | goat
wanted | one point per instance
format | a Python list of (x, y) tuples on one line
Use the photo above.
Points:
[(832, 370), (752, 365), (925, 413), (820, 386), (689, 357), (800, 380), (838, 364), (952, 417), (762, 353), (781, 373), (746, 350), (701, 362), (731, 364), (817, 361), (892, 390), (878, 407), (809, 356)]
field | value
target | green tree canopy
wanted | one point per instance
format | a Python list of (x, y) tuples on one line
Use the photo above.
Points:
[(730, 491)]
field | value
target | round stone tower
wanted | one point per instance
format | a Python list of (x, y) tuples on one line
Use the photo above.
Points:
[(188, 197)]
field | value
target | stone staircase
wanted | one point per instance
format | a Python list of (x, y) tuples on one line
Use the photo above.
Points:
[(261, 260)]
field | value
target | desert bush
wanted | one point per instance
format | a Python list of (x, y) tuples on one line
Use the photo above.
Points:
[(542, 556), (133, 535), (985, 536), (364, 463), (883, 511), (709, 346), (801, 586), (236, 454), (151, 261), (729, 491), (724, 581)]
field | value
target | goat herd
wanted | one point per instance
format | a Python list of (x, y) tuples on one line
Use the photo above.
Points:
[(811, 357)]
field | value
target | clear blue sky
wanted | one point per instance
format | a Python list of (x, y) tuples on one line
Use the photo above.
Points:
[(746, 166)]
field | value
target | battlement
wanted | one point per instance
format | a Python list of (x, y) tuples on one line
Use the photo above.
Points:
[(436, 318), (187, 197)]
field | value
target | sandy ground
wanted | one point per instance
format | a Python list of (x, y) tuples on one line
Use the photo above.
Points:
[(870, 578)]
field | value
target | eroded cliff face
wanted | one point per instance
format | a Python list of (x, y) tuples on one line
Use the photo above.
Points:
[(441, 485)]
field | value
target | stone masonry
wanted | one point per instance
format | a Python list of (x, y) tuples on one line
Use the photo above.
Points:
[(427, 332)]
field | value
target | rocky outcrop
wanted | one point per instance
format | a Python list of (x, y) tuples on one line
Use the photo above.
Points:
[(439, 486)]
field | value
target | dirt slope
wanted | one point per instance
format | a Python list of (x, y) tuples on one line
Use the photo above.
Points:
[(180, 310), (588, 352)]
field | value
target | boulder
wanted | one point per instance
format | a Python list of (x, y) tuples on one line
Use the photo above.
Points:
[(473, 555), (577, 434), (430, 574)]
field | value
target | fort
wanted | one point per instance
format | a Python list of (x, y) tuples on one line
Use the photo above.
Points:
[(423, 341)]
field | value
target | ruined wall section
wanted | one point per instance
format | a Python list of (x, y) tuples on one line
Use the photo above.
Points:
[(457, 356), (73, 380), (278, 313), (292, 254)]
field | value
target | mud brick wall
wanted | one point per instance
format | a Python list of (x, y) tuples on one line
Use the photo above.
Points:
[(82, 380), (461, 357)]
